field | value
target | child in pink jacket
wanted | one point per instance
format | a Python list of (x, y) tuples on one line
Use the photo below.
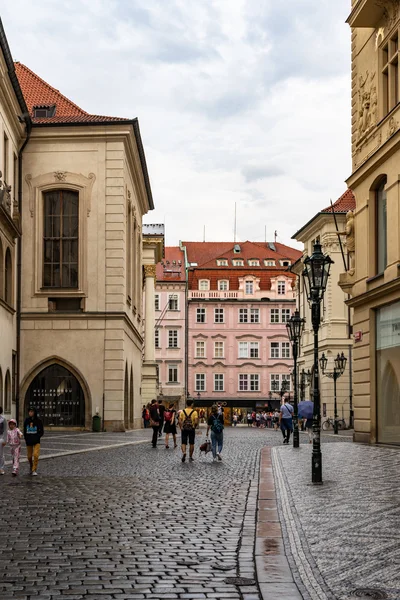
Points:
[(14, 436)]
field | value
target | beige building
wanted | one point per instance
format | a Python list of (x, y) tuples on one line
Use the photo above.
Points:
[(374, 281), (71, 288), (335, 334)]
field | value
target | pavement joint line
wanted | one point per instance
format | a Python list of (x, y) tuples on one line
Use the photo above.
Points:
[(70, 452)]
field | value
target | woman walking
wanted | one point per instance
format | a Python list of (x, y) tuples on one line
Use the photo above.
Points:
[(216, 424), (154, 422), (170, 425)]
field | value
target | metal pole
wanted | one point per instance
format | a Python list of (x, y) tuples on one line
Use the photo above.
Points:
[(296, 439), (316, 460), (335, 425)]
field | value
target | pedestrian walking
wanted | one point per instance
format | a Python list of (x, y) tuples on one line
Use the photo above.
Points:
[(14, 436), (146, 416), (235, 420), (154, 422), (286, 420), (276, 419), (216, 424), (170, 425), (308, 423), (161, 410), (188, 421), (3, 439), (33, 431), (249, 420)]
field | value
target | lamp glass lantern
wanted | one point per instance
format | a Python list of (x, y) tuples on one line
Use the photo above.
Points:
[(295, 327), (323, 362), (316, 273), (340, 362)]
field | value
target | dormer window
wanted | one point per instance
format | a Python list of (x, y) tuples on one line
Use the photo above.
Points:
[(254, 262), (236, 249), (204, 285), (285, 263), (269, 263), (222, 262), (238, 263), (249, 287), (44, 111)]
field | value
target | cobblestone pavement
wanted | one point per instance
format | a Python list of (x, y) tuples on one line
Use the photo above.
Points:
[(132, 522), (342, 536)]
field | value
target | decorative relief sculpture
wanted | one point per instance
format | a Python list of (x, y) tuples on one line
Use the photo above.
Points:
[(393, 127), (5, 195), (60, 175), (366, 96), (149, 270), (350, 240), (391, 11)]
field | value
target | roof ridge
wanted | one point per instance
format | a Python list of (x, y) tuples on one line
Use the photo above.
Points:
[(50, 87)]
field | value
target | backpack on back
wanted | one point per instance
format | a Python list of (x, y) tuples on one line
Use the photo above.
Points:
[(217, 426), (167, 415), (187, 424)]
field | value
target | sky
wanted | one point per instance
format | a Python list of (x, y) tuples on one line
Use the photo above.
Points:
[(240, 103)]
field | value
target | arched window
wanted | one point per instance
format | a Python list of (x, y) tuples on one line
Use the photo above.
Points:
[(7, 393), (8, 278), (1, 270), (223, 285), (131, 398), (61, 239), (204, 284)]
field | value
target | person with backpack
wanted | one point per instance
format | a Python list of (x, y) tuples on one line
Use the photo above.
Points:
[(216, 424), (286, 420), (33, 432), (3, 439), (170, 424), (146, 417), (188, 421)]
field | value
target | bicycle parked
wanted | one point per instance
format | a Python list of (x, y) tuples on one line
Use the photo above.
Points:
[(330, 424)]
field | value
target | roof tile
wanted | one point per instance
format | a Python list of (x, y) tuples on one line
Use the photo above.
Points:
[(345, 203)]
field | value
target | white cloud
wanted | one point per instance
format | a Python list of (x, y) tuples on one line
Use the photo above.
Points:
[(238, 101)]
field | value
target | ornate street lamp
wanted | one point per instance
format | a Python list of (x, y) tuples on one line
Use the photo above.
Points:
[(315, 277), (338, 370), (295, 328)]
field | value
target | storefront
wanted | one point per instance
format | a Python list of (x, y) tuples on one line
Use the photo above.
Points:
[(388, 373), (237, 405)]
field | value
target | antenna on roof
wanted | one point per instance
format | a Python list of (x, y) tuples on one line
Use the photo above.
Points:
[(265, 234), (275, 235), (234, 228), (204, 233)]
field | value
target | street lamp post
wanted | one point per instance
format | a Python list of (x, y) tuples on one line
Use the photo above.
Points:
[(315, 277), (305, 378), (295, 327), (338, 370)]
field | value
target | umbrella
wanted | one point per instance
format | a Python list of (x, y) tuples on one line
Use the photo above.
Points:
[(306, 409)]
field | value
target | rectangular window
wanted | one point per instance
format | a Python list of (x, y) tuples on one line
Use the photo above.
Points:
[(286, 314), (254, 382), (200, 349), (60, 239), (218, 315), (200, 382), (254, 263), (281, 288), (269, 263), (200, 315), (5, 159), (15, 179), (157, 338), (249, 287), (254, 349), (243, 350), (173, 302), (172, 373), (275, 382), (390, 76), (204, 284), (157, 301), (218, 382), (254, 315), (274, 315), (222, 262), (223, 285), (285, 377), (243, 315), (172, 338), (381, 229), (218, 349), (274, 349), (243, 382), (237, 263), (285, 352)]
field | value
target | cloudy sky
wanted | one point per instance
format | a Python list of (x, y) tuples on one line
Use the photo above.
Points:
[(239, 101)]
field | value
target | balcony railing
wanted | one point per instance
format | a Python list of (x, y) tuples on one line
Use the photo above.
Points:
[(198, 294)]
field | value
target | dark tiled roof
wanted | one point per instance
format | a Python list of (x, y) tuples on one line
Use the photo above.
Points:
[(265, 275), (167, 270)]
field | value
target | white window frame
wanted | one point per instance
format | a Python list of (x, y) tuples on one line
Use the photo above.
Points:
[(253, 262), (269, 263), (243, 350), (286, 377), (173, 368), (156, 301), (221, 313), (200, 382), (157, 338), (219, 382), (223, 285), (281, 289), (274, 316), (254, 382), (285, 350), (274, 351), (173, 337), (249, 287), (275, 377), (218, 347), (204, 285), (286, 313), (172, 299), (243, 382), (201, 312), (237, 262), (243, 315), (200, 349), (222, 262), (254, 350), (254, 315)]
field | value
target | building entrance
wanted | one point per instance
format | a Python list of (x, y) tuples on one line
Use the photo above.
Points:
[(388, 373), (58, 397)]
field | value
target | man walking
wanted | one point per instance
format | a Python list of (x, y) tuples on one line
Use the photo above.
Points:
[(3, 439), (33, 431), (154, 422), (161, 410), (188, 421), (286, 420)]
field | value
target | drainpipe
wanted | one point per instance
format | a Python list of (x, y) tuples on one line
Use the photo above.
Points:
[(183, 248), (28, 129)]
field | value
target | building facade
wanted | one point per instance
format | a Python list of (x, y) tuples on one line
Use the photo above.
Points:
[(335, 334), (374, 280), (170, 326), (240, 297)]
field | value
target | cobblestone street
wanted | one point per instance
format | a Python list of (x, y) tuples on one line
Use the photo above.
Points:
[(131, 522)]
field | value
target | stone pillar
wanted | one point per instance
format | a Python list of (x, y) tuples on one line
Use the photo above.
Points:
[(149, 342)]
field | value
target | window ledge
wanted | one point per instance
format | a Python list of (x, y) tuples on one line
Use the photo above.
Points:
[(172, 383), (7, 306), (249, 358), (173, 348), (376, 277)]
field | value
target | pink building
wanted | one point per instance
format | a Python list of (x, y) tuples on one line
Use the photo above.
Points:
[(240, 297), (170, 331)]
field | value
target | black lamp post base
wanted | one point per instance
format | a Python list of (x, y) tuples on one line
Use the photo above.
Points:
[(296, 439), (316, 463)]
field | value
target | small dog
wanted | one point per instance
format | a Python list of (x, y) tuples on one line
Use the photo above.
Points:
[(206, 447)]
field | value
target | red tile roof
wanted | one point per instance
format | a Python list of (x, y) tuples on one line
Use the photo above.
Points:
[(265, 275), (345, 203), (169, 268), (38, 92)]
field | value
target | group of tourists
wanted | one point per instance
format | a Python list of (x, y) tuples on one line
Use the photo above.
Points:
[(10, 435), (262, 419), (166, 420)]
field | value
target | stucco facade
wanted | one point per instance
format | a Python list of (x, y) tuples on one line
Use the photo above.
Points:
[(374, 285)]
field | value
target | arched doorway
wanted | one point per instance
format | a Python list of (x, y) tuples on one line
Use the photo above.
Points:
[(58, 397)]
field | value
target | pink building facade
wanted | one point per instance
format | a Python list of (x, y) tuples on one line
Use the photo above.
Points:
[(240, 297)]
